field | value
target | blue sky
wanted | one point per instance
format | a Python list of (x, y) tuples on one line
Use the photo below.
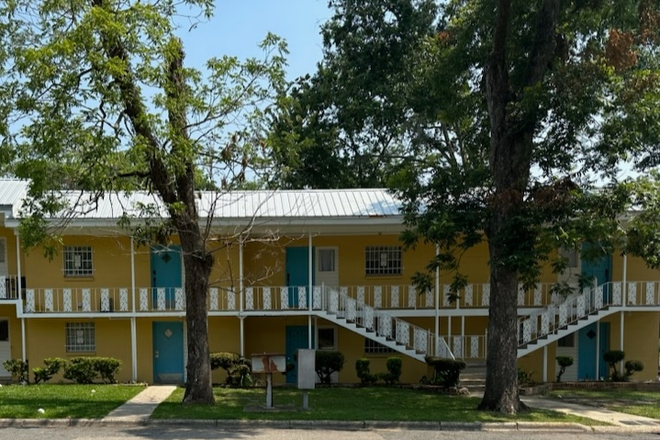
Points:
[(239, 26)]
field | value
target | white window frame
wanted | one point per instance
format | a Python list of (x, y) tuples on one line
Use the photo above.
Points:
[(80, 337), (78, 261), (383, 260)]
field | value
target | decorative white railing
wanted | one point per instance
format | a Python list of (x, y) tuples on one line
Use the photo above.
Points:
[(575, 307), (423, 341), (298, 299)]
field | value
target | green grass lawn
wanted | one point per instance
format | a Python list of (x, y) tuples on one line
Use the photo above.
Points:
[(641, 403), (361, 404), (64, 400)]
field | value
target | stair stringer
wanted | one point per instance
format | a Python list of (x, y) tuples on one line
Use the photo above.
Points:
[(572, 327), (370, 334)]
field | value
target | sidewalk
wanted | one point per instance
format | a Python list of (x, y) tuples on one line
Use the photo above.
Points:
[(140, 407)]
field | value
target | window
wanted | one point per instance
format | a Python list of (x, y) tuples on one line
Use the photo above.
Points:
[(326, 260), (383, 260), (567, 341), (373, 347), (571, 257), (326, 338), (78, 261), (80, 337), (4, 330)]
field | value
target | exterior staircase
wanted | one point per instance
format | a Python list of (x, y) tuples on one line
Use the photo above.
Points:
[(395, 333), (553, 322), (473, 377)]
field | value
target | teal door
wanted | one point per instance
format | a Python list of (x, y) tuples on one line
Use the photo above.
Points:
[(297, 272), (587, 351), (168, 351), (165, 273), (599, 271), (296, 338)]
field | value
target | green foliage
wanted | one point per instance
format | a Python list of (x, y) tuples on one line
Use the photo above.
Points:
[(633, 366), (17, 368), (564, 362), (80, 370), (53, 366), (107, 368), (326, 363), (613, 357), (525, 377), (394, 366), (363, 372), (238, 369), (446, 372)]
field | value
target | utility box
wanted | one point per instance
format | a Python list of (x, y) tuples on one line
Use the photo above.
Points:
[(306, 369)]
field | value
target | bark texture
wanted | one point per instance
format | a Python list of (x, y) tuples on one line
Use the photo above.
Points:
[(510, 157)]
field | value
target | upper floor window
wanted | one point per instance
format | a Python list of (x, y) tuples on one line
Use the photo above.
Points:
[(383, 260), (78, 261)]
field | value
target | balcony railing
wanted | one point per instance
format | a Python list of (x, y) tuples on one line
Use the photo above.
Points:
[(292, 299)]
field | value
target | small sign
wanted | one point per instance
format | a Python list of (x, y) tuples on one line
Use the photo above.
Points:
[(268, 363)]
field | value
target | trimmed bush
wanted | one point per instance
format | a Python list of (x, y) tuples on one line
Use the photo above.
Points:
[(238, 369), (18, 369), (394, 367), (363, 372), (53, 366), (613, 357), (564, 362), (632, 367), (107, 368), (326, 363), (81, 370), (446, 372)]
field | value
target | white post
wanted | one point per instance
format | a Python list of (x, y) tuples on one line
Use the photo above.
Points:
[(134, 364), (437, 298), (597, 350), (241, 322), (545, 363), (20, 297), (624, 294), (309, 291), (463, 336)]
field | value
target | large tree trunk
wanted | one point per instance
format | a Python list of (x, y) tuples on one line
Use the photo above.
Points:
[(197, 267)]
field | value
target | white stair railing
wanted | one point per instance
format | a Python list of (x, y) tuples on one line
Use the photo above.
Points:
[(421, 340), (554, 317)]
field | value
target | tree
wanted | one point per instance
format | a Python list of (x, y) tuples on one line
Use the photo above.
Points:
[(95, 96), (514, 123)]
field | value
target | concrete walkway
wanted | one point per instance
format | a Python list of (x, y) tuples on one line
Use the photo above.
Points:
[(140, 407), (595, 413)]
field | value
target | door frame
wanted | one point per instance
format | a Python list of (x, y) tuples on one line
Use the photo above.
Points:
[(182, 358)]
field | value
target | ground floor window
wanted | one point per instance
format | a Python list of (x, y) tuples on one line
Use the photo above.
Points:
[(373, 347), (80, 337)]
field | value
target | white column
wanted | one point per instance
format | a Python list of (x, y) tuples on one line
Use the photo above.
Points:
[(20, 297), (598, 349), (545, 363), (463, 336), (241, 321), (624, 295), (309, 291), (437, 299), (134, 363)]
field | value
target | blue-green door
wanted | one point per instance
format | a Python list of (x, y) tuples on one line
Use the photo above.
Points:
[(297, 272), (598, 270), (296, 338), (165, 272), (587, 351), (168, 351)]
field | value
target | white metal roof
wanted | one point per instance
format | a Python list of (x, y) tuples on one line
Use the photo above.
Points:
[(284, 204), (12, 191)]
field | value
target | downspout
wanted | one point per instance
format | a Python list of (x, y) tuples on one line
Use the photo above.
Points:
[(241, 318), (134, 364), (309, 293), (624, 298), (437, 303), (20, 297)]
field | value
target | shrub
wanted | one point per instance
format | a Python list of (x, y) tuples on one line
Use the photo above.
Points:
[(326, 363), (446, 371), (238, 369), (81, 370), (393, 374), (53, 366), (613, 357), (564, 362), (633, 366), (17, 368), (107, 368), (363, 373), (525, 377)]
